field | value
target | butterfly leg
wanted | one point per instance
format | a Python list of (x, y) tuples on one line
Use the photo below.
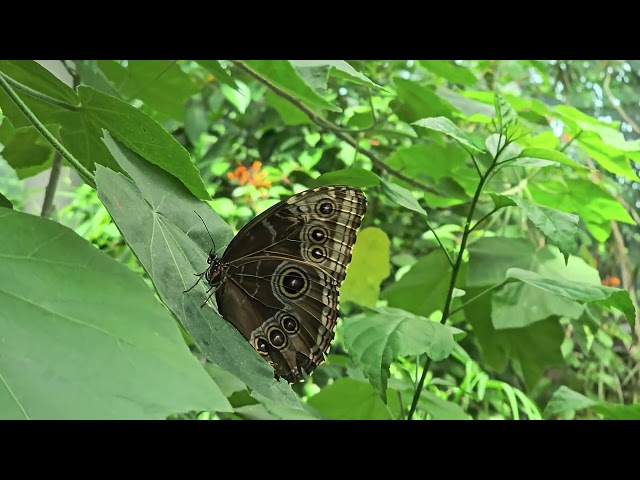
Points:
[(199, 275)]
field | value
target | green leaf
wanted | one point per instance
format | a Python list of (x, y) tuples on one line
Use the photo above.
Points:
[(5, 202), (415, 102), (495, 144), (28, 152), (290, 114), (354, 176), (559, 227), (423, 288), (613, 411), (504, 111), (348, 399), (438, 408), (446, 126), (239, 97), (564, 399), (374, 340), (142, 134), (491, 257), (153, 214), (401, 196), (610, 158), (33, 75), (316, 76), (518, 305), (428, 161), (501, 201), (219, 73), (339, 69), (450, 71), (283, 75), (196, 120), (150, 81), (579, 291), (545, 154), (97, 346), (91, 76), (369, 267), (593, 205), (534, 347)]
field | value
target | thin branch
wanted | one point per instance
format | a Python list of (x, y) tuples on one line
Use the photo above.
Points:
[(47, 203), (81, 169), (321, 122), (616, 105), (571, 140), (464, 305), (484, 218), (440, 243), (446, 311), (476, 165)]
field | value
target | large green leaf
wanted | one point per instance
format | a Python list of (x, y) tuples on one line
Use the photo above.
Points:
[(290, 114), (579, 291), (219, 73), (150, 81), (142, 134), (283, 75), (348, 399), (369, 267), (374, 340), (83, 337), (593, 205), (153, 213)]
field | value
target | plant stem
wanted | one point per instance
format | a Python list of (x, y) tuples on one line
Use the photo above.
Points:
[(440, 243), (47, 203), (81, 169), (322, 123), (36, 94), (446, 312), (484, 292)]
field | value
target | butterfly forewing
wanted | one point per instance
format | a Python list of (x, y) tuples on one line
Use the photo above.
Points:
[(283, 273)]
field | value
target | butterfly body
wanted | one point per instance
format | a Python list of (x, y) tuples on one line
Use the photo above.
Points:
[(278, 280)]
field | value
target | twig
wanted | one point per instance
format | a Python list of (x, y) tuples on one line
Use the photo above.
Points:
[(321, 122), (47, 203), (615, 104)]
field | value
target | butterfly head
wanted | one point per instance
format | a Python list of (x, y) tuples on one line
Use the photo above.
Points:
[(215, 271)]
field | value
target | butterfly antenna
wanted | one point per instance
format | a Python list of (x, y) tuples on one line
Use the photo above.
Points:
[(205, 227)]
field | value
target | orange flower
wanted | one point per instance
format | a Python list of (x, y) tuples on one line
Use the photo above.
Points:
[(211, 78), (611, 281), (252, 176)]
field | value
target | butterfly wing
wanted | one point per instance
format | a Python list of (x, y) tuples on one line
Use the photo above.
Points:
[(284, 271)]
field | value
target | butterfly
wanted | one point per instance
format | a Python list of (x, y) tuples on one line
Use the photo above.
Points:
[(278, 280)]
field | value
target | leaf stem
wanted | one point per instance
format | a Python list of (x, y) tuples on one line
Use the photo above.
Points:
[(36, 94), (457, 309), (81, 169), (484, 218)]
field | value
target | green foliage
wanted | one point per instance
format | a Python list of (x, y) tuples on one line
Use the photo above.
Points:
[(485, 282)]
